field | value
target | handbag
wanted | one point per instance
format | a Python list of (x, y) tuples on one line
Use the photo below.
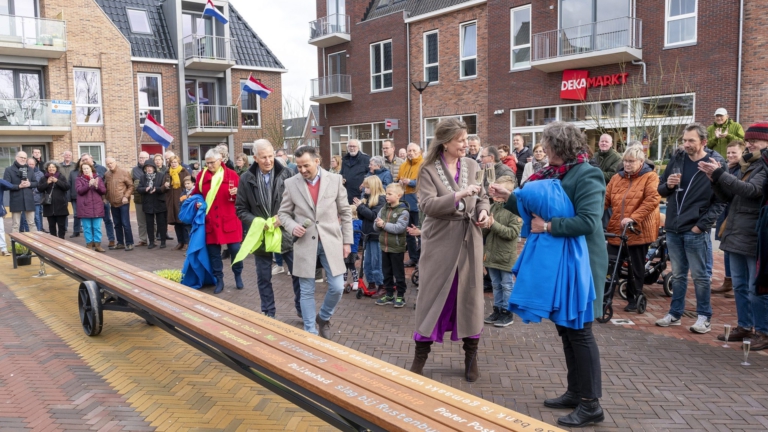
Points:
[(48, 199)]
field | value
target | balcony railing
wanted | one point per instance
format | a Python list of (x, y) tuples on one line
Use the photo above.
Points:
[(23, 115), (212, 119), (329, 31), (608, 37), (332, 89), (32, 37), (208, 52)]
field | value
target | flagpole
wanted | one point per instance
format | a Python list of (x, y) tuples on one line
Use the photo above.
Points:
[(141, 136)]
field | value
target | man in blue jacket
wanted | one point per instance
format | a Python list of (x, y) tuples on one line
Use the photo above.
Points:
[(692, 210)]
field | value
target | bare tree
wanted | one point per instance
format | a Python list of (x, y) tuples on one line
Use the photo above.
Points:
[(293, 108)]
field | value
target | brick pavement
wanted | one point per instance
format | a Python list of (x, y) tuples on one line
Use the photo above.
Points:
[(653, 379)]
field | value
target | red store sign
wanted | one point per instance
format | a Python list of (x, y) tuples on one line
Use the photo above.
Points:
[(576, 82)]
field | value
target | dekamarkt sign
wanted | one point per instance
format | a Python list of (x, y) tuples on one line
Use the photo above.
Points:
[(576, 82)]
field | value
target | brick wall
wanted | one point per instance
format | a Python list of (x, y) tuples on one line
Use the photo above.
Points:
[(94, 42), (170, 88), (271, 108), (452, 95), (754, 85)]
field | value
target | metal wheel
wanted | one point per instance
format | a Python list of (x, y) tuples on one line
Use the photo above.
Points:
[(607, 314), (642, 303), (359, 294), (667, 285), (90, 307), (347, 289), (623, 290)]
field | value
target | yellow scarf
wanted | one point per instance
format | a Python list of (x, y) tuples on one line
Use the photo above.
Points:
[(261, 231), (174, 172), (216, 182)]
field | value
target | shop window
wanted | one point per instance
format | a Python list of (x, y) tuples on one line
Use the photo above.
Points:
[(680, 26), (468, 49)]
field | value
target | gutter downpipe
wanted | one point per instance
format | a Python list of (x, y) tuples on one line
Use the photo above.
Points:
[(408, 66), (738, 77)]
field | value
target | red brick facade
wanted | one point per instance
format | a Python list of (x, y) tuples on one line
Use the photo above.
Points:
[(169, 76), (754, 85), (271, 110)]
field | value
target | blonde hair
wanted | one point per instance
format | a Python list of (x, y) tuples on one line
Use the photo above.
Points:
[(506, 181), (377, 189), (634, 152), (396, 187), (354, 211)]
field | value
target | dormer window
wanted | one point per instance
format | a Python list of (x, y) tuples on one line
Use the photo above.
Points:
[(139, 21)]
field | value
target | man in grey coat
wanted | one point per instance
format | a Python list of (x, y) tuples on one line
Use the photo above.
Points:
[(490, 155), (22, 200), (313, 204)]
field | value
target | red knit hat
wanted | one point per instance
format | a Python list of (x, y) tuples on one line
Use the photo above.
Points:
[(758, 131)]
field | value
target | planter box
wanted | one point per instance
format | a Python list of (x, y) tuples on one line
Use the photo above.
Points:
[(23, 260)]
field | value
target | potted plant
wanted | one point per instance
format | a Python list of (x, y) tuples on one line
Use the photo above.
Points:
[(23, 255), (58, 41), (46, 39)]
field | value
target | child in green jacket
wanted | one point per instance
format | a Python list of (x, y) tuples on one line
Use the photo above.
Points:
[(392, 223)]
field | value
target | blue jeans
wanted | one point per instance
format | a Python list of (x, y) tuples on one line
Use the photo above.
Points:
[(727, 263), (23, 227), (688, 251), (108, 222), (217, 265), (279, 260), (502, 287), (121, 216), (751, 309), (92, 230), (264, 280), (372, 263), (332, 296), (710, 257), (77, 226)]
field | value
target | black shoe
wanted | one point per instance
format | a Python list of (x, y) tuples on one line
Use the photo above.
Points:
[(567, 400), (586, 413), (323, 327), (505, 318), (631, 306), (162, 245), (298, 312), (167, 237), (239, 282), (410, 263), (75, 234), (219, 286), (225, 254), (151, 246), (490, 319)]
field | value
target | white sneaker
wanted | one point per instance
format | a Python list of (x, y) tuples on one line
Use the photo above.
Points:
[(5, 253), (276, 269), (703, 325), (354, 286), (667, 321)]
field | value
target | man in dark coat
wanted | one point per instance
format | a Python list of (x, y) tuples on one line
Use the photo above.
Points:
[(22, 199), (259, 196), (490, 155), (607, 159), (354, 169), (137, 173), (66, 168), (522, 154)]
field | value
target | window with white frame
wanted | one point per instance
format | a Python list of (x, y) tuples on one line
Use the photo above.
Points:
[(370, 135), (681, 22), (139, 21), (430, 125), (468, 49), (88, 96), (96, 150), (521, 38), (250, 109), (381, 66), (431, 69), (150, 97)]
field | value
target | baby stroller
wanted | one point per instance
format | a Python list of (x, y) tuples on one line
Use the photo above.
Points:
[(655, 265), (613, 281)]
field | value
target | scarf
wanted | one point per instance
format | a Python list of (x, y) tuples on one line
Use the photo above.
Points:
[(261, 231), (216, 182), (558, 172), (151, 179), (537, 165), (747, 160), (175, 180), (264, 190)]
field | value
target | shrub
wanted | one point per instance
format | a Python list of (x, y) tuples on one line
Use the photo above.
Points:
[(170, 274), (21, 249)]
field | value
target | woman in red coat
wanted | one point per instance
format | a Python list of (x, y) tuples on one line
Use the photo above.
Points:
[(218, 185)]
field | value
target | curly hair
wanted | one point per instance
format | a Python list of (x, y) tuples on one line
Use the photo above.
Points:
[(564, 139)]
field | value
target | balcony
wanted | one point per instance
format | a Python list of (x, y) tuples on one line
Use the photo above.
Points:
[(32, 37), (619, 40), (212, 120), (329, 31), (332, 89), (34, 117), (204, 52)]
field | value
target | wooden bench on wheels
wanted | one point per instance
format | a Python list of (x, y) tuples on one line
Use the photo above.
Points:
[(348, 389)]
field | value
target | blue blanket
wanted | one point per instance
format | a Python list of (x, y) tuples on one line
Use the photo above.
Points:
[(197, 267), (554, 279)]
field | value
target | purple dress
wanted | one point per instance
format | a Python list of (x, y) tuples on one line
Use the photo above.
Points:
[(447, 320)]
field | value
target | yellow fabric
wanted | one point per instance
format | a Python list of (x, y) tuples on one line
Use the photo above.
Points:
[(216, 181), (174, 172), (261, 231), (410, 170)]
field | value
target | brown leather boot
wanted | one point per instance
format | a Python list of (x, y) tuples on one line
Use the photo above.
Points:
[(97, 247), (420, 358), (737, 335), (380, 291), (725, 287), (471, 373)]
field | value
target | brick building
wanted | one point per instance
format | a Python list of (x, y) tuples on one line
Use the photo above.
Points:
[(754, 85), (651, 66), (82, 75)]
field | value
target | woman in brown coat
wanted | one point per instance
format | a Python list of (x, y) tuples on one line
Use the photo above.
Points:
[(174, 182), (633, 197), (451, 266)]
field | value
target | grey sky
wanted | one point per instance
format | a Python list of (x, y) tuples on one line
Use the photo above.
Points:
[(284, 26)]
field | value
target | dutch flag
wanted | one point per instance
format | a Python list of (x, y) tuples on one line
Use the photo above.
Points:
[(211, 11), (256, 87), (157, 131)]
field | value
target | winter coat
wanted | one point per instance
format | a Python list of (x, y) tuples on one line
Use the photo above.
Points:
[(744, 192), (522, 159), (221, 223), (39, 176), (609, 162), (720, 145), (450, 243), (410, 170), (368, 215), (4, 186), (249, 205), (502, 170), (21, 200), (73, 175), (500, 250), (66, 171), (354, 170), (698, 206), (137, 172), (636, 197), (58, 191), (173, 196), (154, 202), (393, 166), (392, 235), (119, 185), (511, 163), (89, 198), (384, 175)]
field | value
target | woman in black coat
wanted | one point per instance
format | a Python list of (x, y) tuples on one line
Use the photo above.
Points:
[(152, 189), (53, 187)]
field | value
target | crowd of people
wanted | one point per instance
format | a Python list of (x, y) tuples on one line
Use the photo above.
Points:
[(445, 213)]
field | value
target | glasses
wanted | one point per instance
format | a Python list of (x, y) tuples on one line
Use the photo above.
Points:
[(210, 163), (631, 162)]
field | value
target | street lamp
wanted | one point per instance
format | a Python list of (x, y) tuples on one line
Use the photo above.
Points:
[(420, 86)]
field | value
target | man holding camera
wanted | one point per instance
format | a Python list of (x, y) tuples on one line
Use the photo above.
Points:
[(21, 198)]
